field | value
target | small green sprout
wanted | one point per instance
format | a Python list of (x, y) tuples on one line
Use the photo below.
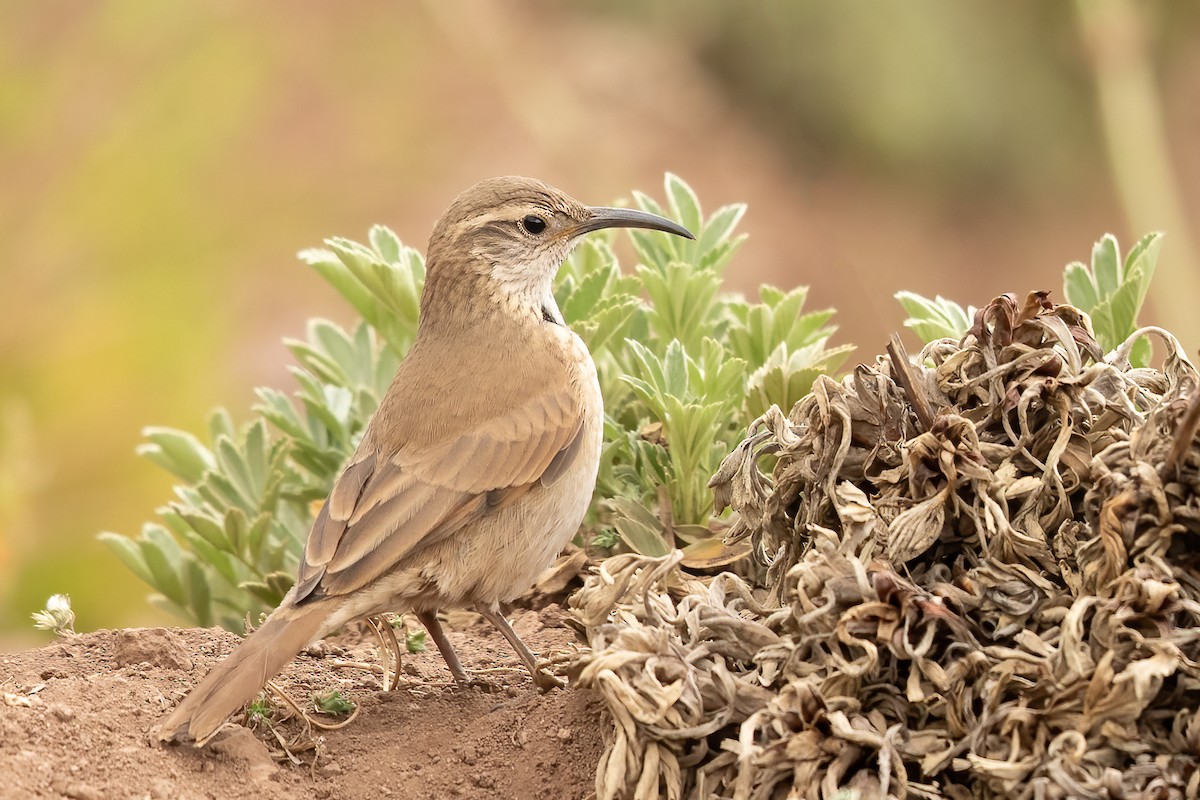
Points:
[(260, 709), (414, 641), (606, 539), (333, 703)]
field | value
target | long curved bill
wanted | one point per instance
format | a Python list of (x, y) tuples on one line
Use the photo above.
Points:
[(605, 217)]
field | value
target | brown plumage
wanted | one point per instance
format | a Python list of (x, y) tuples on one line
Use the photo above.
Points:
[(479, 464)]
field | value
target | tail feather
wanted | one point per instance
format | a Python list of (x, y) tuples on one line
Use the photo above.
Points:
[(236, 680)]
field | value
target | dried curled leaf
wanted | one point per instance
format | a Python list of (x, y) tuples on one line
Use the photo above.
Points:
[(998, 597)]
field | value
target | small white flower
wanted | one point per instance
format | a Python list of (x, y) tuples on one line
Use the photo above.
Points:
[(57, 616), (59, 604)]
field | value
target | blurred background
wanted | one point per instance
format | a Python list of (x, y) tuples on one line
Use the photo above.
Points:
[(161, 164)]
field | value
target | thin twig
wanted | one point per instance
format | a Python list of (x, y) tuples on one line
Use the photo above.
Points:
[(902, 368), (362, 665), (388, 643), (397, 654), (1184, 435)]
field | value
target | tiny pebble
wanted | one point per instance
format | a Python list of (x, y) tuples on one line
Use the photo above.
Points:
[(564, 734), (162, 789), (60, 712), (76, 791)]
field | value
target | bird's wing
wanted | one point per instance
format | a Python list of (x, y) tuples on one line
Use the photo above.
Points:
[(382, 506)]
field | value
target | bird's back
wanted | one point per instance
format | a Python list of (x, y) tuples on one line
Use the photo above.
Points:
[(456, 381)]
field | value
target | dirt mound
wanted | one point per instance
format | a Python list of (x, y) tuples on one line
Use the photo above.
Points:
[(75, 718)]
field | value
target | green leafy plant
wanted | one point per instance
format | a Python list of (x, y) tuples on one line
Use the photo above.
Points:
[(414, 641), (1111, 291), (684, 372), (683, 367), (938, 318), (260, 708), (333, 703), (789, 347)]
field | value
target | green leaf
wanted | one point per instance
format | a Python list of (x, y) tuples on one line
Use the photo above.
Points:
[(788, 376), (1140, 264), (935, 319), (128, 552), (685, 207), (1112, 292), (331, 268), (719, 228), (178, 452), (386, 243), (207, 528), (164, 560), (1106, 265), (199, 596), (277, 409), (220, 424), (682, 302), (1078, 287), (256, 535), (220, 562), (638, 528), (333, 703), (414, 641)]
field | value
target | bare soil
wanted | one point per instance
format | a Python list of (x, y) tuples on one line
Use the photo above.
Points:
[(76, 717)]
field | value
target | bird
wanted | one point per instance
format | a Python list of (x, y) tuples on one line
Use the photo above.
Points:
[(479, 464)]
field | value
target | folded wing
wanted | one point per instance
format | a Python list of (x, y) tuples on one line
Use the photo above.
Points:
[(384, 505)]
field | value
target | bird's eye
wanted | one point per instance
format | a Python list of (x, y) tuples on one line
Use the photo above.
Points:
[(533, 224)]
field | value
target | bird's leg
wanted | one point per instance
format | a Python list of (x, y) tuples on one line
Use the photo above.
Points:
[(430, 621), (543, 679)]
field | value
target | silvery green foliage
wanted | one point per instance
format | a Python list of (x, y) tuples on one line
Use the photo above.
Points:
[(938, 318), (1112, 290)]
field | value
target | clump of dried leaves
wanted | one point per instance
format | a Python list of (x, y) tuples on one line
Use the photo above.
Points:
[(984, 581)]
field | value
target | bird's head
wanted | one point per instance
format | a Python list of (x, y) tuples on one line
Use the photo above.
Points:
[(515, 232)]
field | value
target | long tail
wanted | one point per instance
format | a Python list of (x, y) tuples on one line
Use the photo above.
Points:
[(236, 680)]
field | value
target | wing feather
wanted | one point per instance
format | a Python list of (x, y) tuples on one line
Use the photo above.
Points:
[(405, 517), (349, 487), (390, 482), (384, 505)]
